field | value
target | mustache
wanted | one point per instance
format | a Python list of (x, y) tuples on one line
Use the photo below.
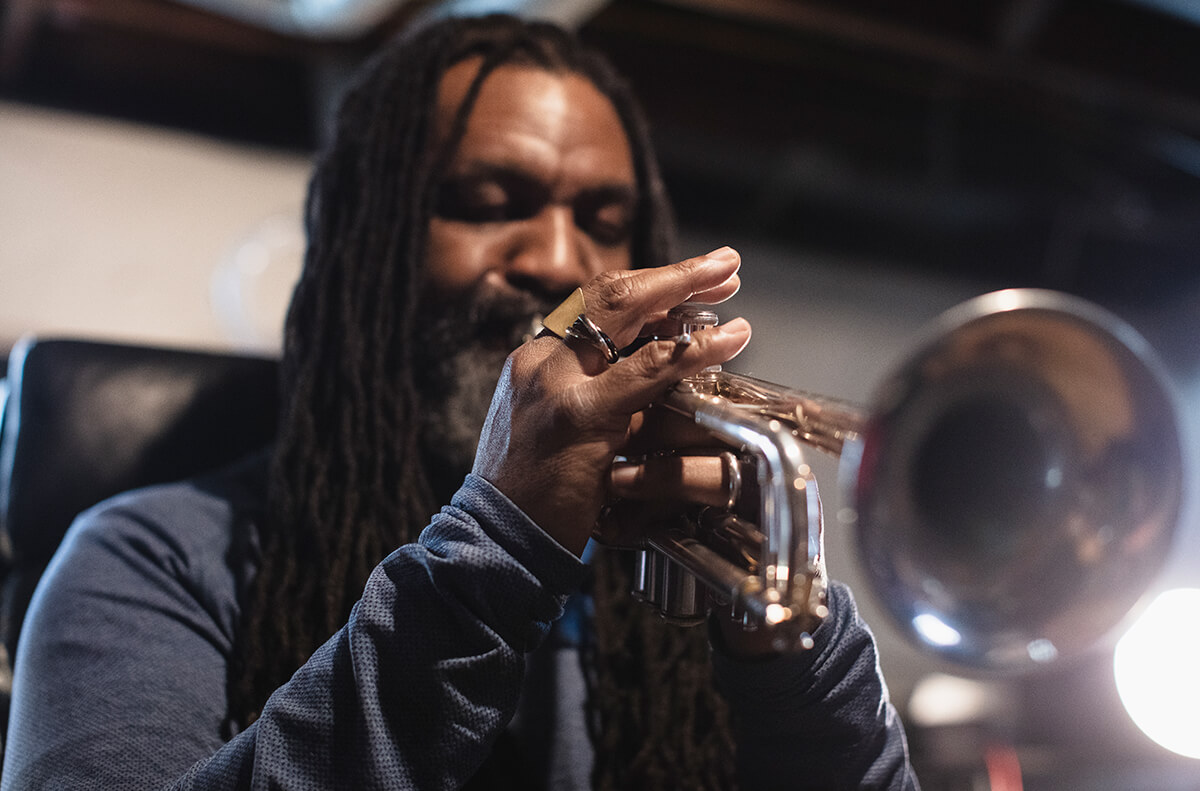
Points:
[(491, 317)]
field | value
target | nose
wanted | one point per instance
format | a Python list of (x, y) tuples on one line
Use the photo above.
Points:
[(550, 254)]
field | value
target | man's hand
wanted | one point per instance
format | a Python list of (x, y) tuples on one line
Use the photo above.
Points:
[(561, 413)]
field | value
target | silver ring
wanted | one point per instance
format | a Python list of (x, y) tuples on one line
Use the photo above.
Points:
[(584, 329)]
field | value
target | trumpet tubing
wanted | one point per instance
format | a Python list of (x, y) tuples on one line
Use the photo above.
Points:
[(1017, 484)]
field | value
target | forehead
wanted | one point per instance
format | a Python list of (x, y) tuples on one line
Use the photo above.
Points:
[(527, 116)]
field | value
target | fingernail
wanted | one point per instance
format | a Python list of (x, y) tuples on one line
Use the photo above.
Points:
[(738, 330), (725, 254), (738, 326)]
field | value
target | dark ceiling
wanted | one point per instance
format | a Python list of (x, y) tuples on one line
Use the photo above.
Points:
[(1040, 143), (1025, 142)]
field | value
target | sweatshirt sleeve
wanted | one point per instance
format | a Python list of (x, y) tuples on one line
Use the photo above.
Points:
[(819, 718), (410, 693)]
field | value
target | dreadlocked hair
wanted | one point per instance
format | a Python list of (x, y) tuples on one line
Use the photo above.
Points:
[(348, 483)]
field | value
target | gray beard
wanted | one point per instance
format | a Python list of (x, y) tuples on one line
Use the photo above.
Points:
[(452, 422), (461, 349)]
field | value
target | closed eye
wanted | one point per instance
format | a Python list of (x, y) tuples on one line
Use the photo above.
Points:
[(488, 197), (607, 214)]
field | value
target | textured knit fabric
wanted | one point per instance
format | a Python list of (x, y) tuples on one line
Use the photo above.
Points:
[(822, 715), (121, 672)]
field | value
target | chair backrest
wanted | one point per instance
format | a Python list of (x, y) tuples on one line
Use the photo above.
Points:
[(86, 420)]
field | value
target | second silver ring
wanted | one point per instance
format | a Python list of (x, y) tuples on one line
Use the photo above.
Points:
[(584, 329)]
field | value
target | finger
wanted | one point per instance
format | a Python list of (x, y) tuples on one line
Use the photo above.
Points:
[(715, 296), (659, 325), (705, 480), (621, 302), (656, 429), (643, 377)]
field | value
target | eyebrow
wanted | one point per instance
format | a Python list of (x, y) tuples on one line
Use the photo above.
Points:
[(481, 169)]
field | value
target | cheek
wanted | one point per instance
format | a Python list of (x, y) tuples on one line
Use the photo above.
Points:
[(457, 256)]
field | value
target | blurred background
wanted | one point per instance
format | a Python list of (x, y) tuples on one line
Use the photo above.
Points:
[(874, 162)]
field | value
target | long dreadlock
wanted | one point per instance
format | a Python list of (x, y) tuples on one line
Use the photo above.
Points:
[(347, 481)]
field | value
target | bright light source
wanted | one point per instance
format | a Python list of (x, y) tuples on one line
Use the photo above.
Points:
[(1157, 669), (1054, 477), (776, 613), (939, 700), (936, 631), (1042, 651)]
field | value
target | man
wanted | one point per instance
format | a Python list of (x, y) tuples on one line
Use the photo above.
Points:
[(242, 631)]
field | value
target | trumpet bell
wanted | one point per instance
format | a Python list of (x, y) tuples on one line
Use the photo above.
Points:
[(1018, 481)]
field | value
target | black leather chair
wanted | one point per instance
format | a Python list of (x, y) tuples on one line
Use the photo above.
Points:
[(86, 420)]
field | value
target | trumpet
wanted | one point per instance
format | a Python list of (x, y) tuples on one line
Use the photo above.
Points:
[(1014, 487)]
